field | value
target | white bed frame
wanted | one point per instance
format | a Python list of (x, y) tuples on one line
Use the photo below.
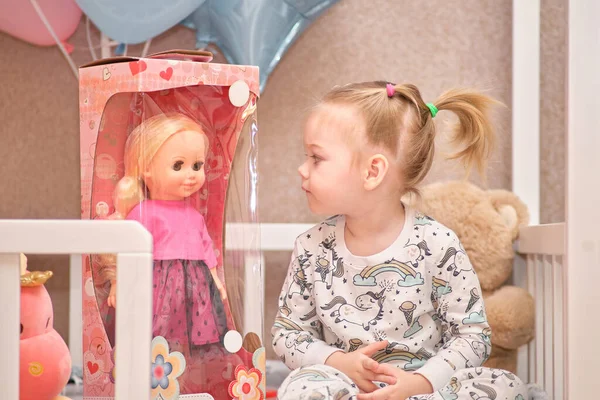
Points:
[(558, 263), (540, 267), (133, 246)]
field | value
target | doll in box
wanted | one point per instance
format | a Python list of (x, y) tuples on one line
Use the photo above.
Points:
[(164, 165)]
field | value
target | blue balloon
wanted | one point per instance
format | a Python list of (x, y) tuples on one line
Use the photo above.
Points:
[(248, 32), (135, 21), (254, 32)]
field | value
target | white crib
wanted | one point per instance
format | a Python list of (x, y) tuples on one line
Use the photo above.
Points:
[(553, 360)]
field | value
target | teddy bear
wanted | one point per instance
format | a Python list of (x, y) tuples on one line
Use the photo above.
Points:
[(487, 224)]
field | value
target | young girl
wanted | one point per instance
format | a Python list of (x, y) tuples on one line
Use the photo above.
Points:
[(164, 165), (381, 302)]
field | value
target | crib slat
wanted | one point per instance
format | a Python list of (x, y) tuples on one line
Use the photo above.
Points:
[(548, 324), (539, 320), (531, 287), (543, 248), (76, 309), (10, 293), (133, 325), (558, 345), (521, 280)]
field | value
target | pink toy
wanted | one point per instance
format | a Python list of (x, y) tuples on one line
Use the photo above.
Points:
[(45, 359)]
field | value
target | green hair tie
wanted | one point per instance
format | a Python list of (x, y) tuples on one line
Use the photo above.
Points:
[(433, 109)]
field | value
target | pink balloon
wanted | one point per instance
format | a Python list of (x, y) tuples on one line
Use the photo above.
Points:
[(19, 19)]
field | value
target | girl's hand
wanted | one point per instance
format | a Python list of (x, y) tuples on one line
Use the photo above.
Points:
[(112, 296), (407, 383), (355, 366)]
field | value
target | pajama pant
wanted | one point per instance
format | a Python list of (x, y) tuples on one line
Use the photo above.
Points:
[(321, 382)]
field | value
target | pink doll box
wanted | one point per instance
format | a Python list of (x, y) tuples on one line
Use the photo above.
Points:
[(116, 95)]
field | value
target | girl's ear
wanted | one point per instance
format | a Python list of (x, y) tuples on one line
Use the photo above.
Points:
[(376, 168)]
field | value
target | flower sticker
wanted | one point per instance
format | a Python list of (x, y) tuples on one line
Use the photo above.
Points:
[(160, 372), (246, 384), (166, 368)]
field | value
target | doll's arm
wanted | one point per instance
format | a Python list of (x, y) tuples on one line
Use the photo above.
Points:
[(108, 273), (210, 258), (108, 262), (111, 300), (220, 287)]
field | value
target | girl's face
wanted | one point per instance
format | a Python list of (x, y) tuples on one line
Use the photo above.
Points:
[(330, 175), (177, 169)]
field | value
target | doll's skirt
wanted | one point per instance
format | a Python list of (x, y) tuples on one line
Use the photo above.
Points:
[(187, 306)]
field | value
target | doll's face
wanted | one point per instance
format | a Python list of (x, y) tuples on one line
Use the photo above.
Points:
[(177, 169)]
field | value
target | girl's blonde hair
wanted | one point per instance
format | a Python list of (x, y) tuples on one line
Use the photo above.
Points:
[(142, 145), (405, 118)]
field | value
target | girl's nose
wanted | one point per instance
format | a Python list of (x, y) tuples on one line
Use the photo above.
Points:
[(303, 170)]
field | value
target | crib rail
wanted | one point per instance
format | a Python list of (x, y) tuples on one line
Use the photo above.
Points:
[(133, 246), (543, 250)]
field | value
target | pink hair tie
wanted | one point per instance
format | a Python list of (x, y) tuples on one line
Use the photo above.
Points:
[(390, 89)]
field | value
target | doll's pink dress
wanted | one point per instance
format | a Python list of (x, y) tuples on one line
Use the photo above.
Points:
[(187, 307)]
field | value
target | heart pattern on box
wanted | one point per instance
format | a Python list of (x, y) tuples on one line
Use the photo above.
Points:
[(93, 368), (137, 67), (166, 74)]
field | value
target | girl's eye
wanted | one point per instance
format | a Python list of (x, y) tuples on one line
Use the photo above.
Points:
[(197, 165), (316, 158), (177, 166)]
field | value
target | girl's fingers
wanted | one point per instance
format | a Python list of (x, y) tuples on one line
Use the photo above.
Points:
[(370, 364), (389, 379), (366, 385), (387, 369), (373, 348)]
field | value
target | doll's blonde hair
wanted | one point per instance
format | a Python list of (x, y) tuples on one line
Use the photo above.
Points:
[(403, 117), (142, 145)]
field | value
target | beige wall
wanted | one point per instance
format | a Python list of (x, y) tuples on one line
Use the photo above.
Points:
[(553, 65), (435, 44)]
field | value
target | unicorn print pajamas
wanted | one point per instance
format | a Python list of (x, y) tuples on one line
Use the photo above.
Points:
[(421, 294)]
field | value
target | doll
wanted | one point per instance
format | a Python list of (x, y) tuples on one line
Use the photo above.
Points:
[(164, 165)]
